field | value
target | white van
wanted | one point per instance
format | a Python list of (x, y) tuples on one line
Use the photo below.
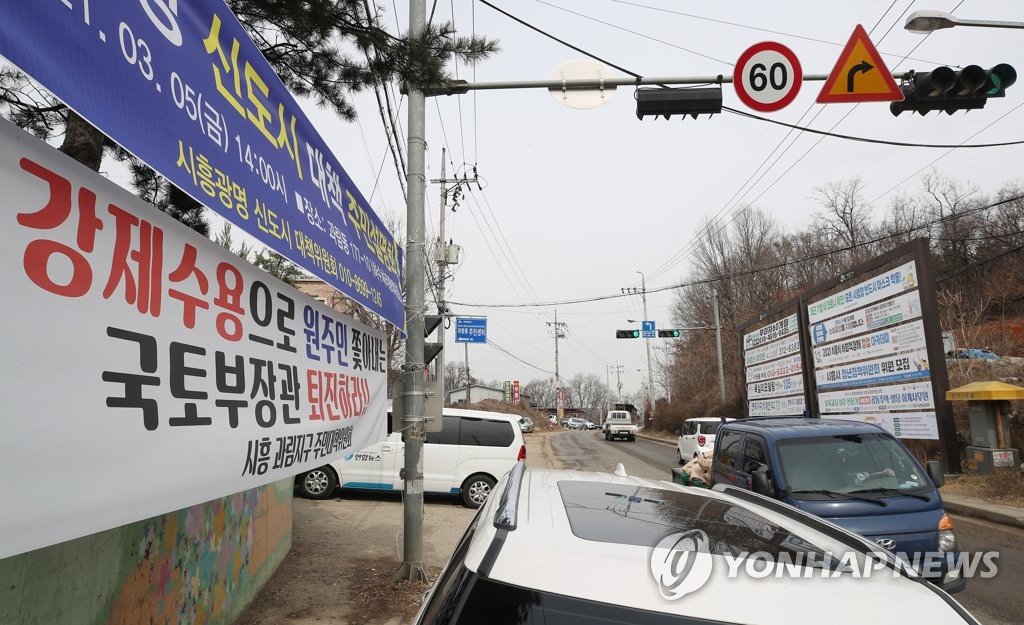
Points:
[(697, 436), (471, 452)]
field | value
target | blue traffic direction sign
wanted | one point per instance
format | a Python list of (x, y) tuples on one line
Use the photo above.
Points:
[(648, 330), (471, 329)]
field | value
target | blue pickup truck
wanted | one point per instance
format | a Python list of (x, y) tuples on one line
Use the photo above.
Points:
[(850, 473)]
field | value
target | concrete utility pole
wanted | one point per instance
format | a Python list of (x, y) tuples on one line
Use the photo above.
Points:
[(412, 557), (441, 258), (718, 338), (558, 329), (647, 342)]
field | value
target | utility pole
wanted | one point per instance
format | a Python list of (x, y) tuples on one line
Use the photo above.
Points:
[(618, 379), (558, 331), (441, 257), (718, 339), (469, 378), (412, 567), (647, 343)]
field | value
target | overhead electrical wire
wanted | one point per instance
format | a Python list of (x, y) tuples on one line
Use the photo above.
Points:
[(755, 270)]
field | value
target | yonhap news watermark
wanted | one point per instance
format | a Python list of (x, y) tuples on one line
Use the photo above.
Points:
[(683, 562)]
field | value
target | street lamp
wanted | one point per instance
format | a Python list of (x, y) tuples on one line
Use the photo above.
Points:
[(924, 22)]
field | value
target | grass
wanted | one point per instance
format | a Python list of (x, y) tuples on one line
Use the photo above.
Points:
[(1004, 486)]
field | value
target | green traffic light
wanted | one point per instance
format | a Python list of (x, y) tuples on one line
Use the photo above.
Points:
[(636, 334)]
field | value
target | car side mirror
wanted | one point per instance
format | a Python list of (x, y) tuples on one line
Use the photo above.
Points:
[(935, 473), (761, 484)]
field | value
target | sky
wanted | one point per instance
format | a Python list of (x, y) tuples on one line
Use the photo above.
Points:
[(575, 204), (581, 204)]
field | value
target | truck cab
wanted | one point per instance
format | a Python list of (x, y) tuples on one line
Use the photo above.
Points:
[(851, 473)]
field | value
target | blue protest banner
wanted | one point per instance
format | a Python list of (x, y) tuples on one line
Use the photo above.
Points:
[(184, 88)]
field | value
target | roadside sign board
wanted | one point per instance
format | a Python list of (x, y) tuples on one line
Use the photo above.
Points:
[(649, 332), (860, 74), (768, 76), (471, 329)]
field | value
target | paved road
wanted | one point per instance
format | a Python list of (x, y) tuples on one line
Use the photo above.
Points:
[(994, 601), (998, 600)]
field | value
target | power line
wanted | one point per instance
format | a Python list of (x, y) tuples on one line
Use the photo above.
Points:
[(756, 270)]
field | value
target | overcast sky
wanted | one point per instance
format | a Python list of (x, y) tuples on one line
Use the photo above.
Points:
[(576, 202)]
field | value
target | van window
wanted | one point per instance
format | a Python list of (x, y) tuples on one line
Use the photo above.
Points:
[(449, 434), (689, 428), (754, 457), (727, 448), (486, 433)]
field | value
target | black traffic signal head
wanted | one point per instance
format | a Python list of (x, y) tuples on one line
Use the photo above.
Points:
[(949, 90), (627, 334), (671, 334), (669, 101)]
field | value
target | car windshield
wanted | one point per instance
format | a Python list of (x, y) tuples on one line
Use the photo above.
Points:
[(827, 466)]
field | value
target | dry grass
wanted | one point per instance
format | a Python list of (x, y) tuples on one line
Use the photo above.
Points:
[(1005, 486)]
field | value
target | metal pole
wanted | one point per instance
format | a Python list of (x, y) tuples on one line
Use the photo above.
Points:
[(469, 378), (718, 339), (412, 565), (647, 342)]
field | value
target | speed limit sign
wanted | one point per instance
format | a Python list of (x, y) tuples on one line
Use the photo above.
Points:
[(767, 76)]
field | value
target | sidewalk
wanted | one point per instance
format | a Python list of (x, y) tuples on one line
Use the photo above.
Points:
[(1003, 514), (962, 505)]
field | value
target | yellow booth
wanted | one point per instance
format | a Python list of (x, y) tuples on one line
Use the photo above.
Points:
[(990, 410)]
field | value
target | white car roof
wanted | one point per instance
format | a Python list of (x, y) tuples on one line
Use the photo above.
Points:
[(543, 552), (480, 414)]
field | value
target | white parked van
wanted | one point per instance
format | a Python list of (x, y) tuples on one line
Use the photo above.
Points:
[(697, 436), (471, 452)]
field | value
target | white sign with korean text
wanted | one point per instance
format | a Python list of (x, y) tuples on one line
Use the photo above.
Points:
[(899, 309), (770, 351), (148, 369), (789, 385), (770, 332), (918, 425), (916, 396), (787, 366), (892, 282), (779, 407), (908, 337)]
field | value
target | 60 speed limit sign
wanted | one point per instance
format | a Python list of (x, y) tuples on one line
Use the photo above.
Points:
[(767, 76)]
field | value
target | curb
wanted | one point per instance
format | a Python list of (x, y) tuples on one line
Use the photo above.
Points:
[(985, 513), (655, 440)]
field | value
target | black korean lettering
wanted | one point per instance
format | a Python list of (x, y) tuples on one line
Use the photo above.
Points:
[(285, 317), (179, 372), (132, 383), (261, 305)]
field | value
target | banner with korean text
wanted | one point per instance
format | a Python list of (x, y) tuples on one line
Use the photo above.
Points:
[(182, 86), (148, 369)]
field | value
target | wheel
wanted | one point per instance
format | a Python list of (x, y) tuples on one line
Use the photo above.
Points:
[(679, 455), (632, 438), (607, 436), (475, 490), (318, 483)]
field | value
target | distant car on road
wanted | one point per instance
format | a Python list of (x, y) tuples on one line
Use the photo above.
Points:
[(526, 424), (591, 425), (971, 352), (575, 423)]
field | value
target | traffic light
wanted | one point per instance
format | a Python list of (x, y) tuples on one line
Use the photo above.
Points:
[(431, 350), (946, 89), (668, 334), (627, 334), (669, 101)]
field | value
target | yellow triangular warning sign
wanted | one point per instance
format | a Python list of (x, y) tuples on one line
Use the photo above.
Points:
[(859, 75)]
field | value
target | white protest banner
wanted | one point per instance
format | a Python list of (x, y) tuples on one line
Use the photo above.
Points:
[(903, 338), (892, 282), (897, 310), (916, 396), (770, 332), (148, 369)]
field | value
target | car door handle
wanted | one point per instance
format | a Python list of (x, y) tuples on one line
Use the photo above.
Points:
[(387, 448)]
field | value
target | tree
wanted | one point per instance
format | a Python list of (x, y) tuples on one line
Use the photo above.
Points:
[(278, 266), (456, 375), (225, 240), (542, 391)]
